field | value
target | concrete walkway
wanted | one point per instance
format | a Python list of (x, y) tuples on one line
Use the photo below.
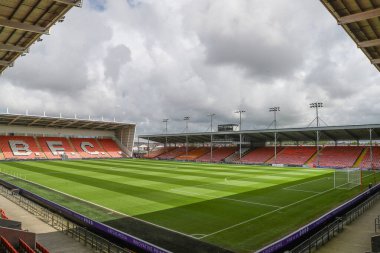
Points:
[(355, 238), (52, 239)]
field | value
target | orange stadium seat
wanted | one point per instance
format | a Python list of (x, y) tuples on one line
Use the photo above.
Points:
[(294, 155), (218, 154), (193, 154), (157, 152), (338, 157), (259, 155), (89, 148), (20, 148), (54, 147), (111, 147), (174, 153)]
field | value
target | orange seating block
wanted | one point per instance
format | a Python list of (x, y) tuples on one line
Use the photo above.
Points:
[(218, 154), (20, 148), (174, 153), (54, 147), (193, 154), (88, 148), (111, 147)]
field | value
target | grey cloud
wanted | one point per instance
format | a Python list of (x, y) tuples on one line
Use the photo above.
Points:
[(116, 57)]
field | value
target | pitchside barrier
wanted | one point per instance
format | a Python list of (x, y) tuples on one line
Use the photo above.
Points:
[(170, 240), (307, 231), (131, 240)]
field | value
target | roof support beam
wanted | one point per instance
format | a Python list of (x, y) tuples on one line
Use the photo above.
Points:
[(4, 63), (69, 2), (11, 48), (375, 61), (328, 135), (359, 16), (23, 26), (369, 43)]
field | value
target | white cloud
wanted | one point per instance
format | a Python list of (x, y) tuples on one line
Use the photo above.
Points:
[(146, 60)]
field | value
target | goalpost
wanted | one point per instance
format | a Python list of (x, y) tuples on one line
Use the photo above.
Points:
[(347, 178)]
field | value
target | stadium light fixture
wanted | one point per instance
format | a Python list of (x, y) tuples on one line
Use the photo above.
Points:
[(317, 105), (275, 110), (240, 112), (211, 115), (186, 119)]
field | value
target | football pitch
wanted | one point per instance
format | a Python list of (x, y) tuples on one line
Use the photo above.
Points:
[(237, 207)]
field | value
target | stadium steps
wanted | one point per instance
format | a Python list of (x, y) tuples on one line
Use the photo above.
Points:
[(235, 157), (269, 161), (1, 155), (360, 158), (42, 153), (312, 158)]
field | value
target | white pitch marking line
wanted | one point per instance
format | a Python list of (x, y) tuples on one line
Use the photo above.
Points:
[(106, 208), (265, 214), (236, 200), (289, 189)]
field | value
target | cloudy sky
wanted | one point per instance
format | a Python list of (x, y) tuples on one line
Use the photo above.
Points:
[(145, 60)]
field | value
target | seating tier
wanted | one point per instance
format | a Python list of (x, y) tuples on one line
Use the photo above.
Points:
[(259, 155), (294, 155), (218, 154), (111, 147), (20, 148), (366, 162), (338, 157), (54, 147)]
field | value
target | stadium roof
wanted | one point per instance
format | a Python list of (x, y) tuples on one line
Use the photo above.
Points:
[(22, 22), (329, 133), (361, 20), (59, 122)]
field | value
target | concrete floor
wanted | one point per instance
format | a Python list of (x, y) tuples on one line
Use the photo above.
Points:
[(355, 238), (53, 240)]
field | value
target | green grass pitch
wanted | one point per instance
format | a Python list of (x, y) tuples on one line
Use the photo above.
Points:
[(238, 207)]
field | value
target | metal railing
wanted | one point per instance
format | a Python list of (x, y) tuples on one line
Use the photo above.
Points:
[(377, 224), (331, 230), (58, 222)]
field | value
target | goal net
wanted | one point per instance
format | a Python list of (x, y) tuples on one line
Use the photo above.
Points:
[(347, 178)]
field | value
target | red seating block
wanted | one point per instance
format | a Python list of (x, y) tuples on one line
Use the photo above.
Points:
[(338, 157), (298, 155), (259, 155), (366, 162), (8, 247)]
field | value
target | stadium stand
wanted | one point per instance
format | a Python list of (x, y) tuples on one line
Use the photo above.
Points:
[(193, 154), (218, 154), (297, 155), (54, 147), (88, 148), (111, 147), (338, 157), (157, 152), (174, 153), (259, 155), (235, 157), (20, 147), (366, 162)]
